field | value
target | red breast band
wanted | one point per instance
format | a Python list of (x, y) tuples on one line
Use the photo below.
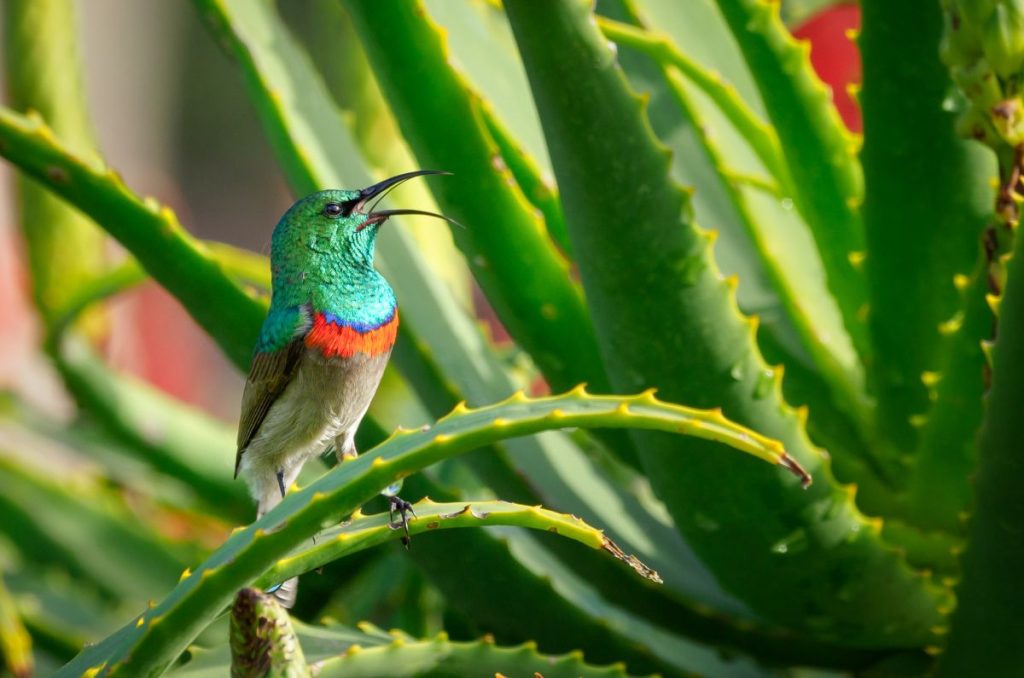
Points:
[(335, 339)]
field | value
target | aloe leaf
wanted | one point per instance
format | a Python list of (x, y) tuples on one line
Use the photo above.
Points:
[(544, 311), (61, 613), (106, 544), (149, 231), (986, 624), (522, 577), (318, 644), (529, 177), (699, 28), (441, 656), (481, 49), (760, 135), (64, 248), (820, 153), (167, 435), (928, 197), (15, 642), (763, 239), (928, 550), (156, 637), (568, 480), (363, 531), (340, 650), (590, 115), (939, 493), (840, 369), (508, 611)]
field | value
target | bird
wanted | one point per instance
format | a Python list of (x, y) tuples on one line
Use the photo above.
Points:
[(323, 347)]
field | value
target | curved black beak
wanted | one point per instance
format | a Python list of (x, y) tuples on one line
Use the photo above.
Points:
[(380, 216), (378, 189)]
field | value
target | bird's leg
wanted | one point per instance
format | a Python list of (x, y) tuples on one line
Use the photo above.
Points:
[(345, 448), (402, 507), (280, 481)]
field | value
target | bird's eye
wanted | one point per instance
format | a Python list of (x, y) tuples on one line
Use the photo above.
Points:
[(333, 210)]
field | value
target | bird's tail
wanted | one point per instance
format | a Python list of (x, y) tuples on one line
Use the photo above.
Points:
[(285, 592)]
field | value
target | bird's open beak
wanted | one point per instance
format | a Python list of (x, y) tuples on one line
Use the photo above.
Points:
[(379, 189)]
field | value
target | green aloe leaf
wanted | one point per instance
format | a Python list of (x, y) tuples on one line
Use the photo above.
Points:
[(15, 642), (64, 247), (761, 237), (183, 265), (61, 613), (939, 492), (761, 218), (927, 200), (986, 624), (440, 656), (165, 434), (761, 136), (529, 177), (482, 49), (543, 311), (343, 651), (631, 629), (107, 544), (699, 28), (150, 642), (820, 153), (522, 577), (704, 351), (363, 531)]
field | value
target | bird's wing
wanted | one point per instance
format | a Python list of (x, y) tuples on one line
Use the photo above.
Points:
[(271, 370)]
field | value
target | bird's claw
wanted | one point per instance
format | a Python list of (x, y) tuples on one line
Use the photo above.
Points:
[(404, 510)]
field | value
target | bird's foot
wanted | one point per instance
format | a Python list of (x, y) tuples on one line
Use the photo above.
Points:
[(404, 510), (280, 482)]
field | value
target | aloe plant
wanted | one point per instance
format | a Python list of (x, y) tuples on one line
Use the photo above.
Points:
[(683, 242)]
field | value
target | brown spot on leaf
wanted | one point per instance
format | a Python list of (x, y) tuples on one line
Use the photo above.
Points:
[(456, 514), (57, 175)]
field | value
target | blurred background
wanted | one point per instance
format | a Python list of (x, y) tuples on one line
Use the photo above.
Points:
[(171, 115)]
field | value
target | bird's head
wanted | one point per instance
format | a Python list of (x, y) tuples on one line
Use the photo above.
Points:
[(337, 226)]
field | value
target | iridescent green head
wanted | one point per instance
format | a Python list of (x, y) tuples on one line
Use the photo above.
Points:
[(337, 225), (320, 228), (322, 249)]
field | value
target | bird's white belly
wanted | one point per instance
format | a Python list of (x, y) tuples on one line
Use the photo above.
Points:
[(326, 398)]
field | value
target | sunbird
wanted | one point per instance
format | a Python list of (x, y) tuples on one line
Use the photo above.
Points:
[(327, 337)]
